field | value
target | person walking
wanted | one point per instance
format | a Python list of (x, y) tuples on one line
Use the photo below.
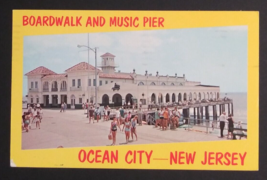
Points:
[(127, 126), (117, 116), (108, 109), (133, 127), (65, 107), (166, 117), (91, 114), (161, 118), (62, 107), (113, 130), (97, 113), (222, 120)]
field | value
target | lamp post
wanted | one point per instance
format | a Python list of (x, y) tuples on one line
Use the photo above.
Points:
[(95, 51)]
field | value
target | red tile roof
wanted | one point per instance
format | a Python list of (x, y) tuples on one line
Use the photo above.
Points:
[(116, 75), (107, 55), (81, 66), (40, 71), (54, 76)]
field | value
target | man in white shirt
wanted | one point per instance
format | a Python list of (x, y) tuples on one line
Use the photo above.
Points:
[(222, 120)]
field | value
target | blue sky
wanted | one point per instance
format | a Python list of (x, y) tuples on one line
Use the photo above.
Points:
[(213, 56)]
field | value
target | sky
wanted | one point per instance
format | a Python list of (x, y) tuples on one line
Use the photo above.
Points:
[(213, 56)]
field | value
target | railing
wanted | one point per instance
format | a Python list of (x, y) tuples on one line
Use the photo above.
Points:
[(54, 89), (75, 88), (33, 89), (63, 89), (46, 90)]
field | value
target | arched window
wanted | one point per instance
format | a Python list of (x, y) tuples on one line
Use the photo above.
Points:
[(152, 84), (141, 84), (163, 84), (172, 84)]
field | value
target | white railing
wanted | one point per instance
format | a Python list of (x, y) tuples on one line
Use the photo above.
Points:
[(33, 89), (75, 88)]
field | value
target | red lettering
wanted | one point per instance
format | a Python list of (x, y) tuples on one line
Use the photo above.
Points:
[(154, 22), (51, 20), (234, 158), (25, 21), (102, 21), (140, 156), (149, 156), (88, 155), (59, 21), (78, 19), (82, 152), (228, 161), (45, 19), (161, 20), (112, 21), (242, 158), (97, 156), (89, 21), (173, 158), (114, 157), (32, 20), (210, 158), (135, 19), (105, 157), (190, 158), (126, 157), (181, 157), (38, 21), (219, 156), (71, 21), (145, 21), (67, 21)]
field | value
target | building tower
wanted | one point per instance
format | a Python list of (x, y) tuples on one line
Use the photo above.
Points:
[(108, 65)]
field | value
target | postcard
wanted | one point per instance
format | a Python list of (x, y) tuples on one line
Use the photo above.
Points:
[(173, 90)]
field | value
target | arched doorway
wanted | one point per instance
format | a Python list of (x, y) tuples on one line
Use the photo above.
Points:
[(72, 101), (153, 98), (190, 96), (117, 100), (54, 86), (129, 98), (105, 100), (199, 96), (63, 86), (195, 96), (167, 97), (179, 97), (173, 97), (160, 98), (185, 97), (218, 96)]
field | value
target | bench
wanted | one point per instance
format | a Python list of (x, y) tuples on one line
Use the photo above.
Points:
[(238, 133)]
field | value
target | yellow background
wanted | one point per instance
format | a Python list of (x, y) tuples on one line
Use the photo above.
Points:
[(68, 157)]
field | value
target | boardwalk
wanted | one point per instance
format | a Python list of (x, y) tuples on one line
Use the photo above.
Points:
[(71, 129)]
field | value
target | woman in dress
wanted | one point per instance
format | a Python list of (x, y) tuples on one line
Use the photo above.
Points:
[(113, 130), (133, 127), (127, 126), (230, 126)]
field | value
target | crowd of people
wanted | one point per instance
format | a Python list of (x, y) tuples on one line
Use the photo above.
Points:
[(31, 116)]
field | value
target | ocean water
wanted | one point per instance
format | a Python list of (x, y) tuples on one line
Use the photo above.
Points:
[(240, 105)]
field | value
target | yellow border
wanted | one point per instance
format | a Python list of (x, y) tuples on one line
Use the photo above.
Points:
[(172, 19)]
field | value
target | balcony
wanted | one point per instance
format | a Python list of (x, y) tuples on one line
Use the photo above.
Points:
[(33, 89), (45, 90), (54, 89), (76, 88), (63, 89)]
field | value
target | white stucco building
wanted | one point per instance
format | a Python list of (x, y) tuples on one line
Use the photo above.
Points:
[(77, 84)]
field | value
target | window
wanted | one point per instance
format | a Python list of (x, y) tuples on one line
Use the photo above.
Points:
[(36, 84), (89, 82), (141, 84), (80, 100), (100, 83), (31, 100), (106, 82), (31, 84), (73, 83), (37, 100), (152, 84), (79, 82), (163, 84), (172, 84), (94, 82)]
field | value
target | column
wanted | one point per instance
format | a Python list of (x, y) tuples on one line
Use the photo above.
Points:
[(164, 99), (207, 112), (220, 108), (198, 116), (232, 107), (228, 105), (59, 99), (50, 100)]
